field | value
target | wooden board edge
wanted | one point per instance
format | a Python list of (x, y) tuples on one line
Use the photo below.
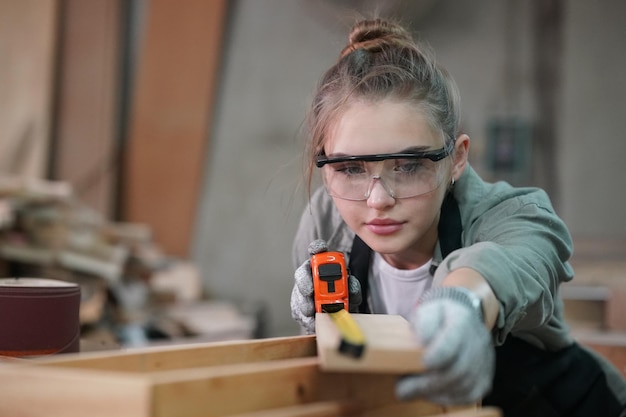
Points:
[(41, 392), (161, 358)]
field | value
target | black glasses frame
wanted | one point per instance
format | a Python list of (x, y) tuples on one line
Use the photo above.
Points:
[(434, 155)]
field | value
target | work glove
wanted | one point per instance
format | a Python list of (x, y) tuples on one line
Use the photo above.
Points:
[(458, 354), (302, 302)]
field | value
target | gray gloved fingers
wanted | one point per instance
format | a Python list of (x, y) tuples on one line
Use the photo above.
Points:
[(458, 354), (304, 279), (304, 304), (437, 383), (355, 296), (411, 386), (427, 322), (441, 351), (463, 390), (303, 275), (445, 388), (303, 310), (317, 246), (308, 325), (453, 392)]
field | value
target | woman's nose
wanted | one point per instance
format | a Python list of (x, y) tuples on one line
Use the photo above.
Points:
[(379, 194)]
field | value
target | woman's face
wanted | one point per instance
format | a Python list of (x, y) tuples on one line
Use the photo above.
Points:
[(403, 230)]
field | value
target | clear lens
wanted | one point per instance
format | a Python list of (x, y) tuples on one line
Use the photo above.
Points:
[(405, 178)]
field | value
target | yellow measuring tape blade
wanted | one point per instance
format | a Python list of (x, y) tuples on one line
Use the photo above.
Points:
[(352, 337)]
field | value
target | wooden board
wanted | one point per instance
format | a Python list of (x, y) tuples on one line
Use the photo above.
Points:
[(166, 358), (354, 409), (280, 377), (28, 30), (170, 117), (390, 345), (84, 152)]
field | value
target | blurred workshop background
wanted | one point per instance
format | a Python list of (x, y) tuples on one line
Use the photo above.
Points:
[(150, 149)]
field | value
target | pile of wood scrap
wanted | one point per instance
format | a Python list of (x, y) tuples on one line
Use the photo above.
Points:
[(126, 281)]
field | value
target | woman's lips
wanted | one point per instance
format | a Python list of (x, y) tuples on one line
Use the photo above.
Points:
[(383, 227)]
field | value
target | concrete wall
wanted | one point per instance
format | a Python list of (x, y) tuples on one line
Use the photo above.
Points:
[(593, 119), (276, 51)]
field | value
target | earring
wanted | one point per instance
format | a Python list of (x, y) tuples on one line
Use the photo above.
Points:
[(452, 182)]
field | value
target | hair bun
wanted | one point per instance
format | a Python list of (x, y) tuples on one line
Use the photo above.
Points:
[(372, 34)]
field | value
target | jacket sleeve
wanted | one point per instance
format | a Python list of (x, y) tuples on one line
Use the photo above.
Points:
[(521, 247)]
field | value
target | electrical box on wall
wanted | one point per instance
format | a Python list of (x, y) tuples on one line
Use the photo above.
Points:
[(508, 150)]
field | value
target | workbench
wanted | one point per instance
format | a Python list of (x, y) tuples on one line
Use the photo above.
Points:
[(277, 377)]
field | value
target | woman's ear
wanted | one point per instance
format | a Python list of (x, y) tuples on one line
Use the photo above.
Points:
[(461, 153)]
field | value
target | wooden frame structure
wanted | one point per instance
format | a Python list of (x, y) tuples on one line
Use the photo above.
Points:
[(277, 377)]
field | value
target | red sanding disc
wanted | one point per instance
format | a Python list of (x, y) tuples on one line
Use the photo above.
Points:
[(38, 317)]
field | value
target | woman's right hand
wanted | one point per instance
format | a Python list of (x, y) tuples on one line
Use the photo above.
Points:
[(302, 302)]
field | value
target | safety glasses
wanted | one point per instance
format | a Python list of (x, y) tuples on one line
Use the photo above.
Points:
[(403, 174)]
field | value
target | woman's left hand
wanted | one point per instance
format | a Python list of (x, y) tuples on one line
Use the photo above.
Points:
[(458, 355)]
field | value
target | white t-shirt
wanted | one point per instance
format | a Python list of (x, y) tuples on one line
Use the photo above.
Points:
[(395, 291)]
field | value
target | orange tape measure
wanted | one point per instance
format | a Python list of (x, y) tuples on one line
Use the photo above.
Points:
[(330, 283), (330, 280)]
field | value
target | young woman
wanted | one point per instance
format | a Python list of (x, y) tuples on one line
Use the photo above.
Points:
[(475, 267)]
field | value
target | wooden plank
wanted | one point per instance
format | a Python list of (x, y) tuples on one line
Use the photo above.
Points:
[(402, 411), (28, 30), (480, 412), (595, 306), (197, 392), (47, 392), (189, 356), (170, 117), (85, 151), (616, 308), (352, 408), (585, 314), (221, 391), (592, 249), (390, 345), (608, 273), (316, 409)]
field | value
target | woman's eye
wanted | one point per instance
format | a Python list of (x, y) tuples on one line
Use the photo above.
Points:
[(350, 169), (404, 166)]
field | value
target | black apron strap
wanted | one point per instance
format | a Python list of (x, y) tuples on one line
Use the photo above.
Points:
[(359, 266), (450, 227)]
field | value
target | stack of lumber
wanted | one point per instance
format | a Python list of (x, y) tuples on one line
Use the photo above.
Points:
[(127, 282), (274, 377)]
